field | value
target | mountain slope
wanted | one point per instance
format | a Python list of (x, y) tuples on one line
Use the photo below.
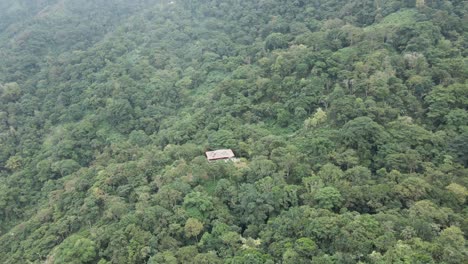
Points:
[(349, 118)]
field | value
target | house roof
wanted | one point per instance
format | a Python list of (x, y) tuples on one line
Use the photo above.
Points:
[(220, 154)]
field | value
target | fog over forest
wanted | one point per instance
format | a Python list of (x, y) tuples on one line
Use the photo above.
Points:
[(233, 131)]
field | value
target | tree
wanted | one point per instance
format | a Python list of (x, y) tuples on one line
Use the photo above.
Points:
[(442, 99), (306, 247), (459, 191), (186, 254), (250, 256), (65, 167), (412, 189), (209, 257), (330, 174), (163, 257), (319, 117), (9, 92), (456, 147), (364, 135), (198, 205), (357, 236), (276, 41), (76, 250), (450, 247), (193, 227), (328, 198), (358, 174), (14, 163)]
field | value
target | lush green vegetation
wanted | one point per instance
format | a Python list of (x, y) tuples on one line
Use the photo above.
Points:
[(350, 118)]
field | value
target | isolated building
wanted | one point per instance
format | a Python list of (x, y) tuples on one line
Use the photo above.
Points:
[(220, 154)]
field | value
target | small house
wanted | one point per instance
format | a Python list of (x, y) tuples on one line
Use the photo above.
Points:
[(220, 154)]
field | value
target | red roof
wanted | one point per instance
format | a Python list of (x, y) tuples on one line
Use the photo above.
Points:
[(220, 154)]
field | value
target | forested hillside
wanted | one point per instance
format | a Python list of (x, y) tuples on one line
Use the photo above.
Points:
[(349, 118)]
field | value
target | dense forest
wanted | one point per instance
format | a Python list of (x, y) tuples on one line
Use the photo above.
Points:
[(349, 119)]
